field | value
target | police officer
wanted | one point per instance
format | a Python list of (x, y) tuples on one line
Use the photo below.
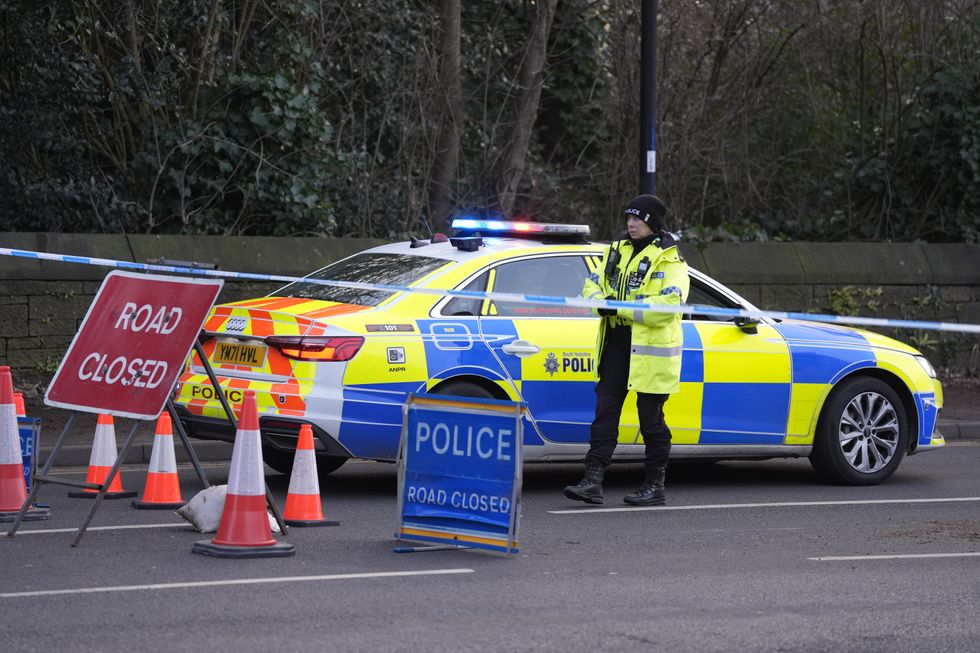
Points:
[(637, 350)]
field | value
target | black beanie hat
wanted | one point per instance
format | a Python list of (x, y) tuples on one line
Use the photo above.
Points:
[(649, 208)]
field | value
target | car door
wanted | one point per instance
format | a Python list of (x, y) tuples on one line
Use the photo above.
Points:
[(548, 350), (735, 382)]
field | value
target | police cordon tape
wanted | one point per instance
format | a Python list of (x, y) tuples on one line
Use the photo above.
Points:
[(505, 297)]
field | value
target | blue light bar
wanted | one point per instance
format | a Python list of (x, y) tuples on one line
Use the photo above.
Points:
[(502, 227)]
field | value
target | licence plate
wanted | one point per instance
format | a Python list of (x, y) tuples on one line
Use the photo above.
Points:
[(239, 354)]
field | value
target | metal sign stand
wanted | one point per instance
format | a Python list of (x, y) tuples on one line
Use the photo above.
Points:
[(43, 478)]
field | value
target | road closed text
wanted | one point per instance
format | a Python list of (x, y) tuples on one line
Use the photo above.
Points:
[(134, 371), (461, 499), (126, 371)]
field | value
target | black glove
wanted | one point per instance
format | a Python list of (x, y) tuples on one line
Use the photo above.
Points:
[(607, 312)]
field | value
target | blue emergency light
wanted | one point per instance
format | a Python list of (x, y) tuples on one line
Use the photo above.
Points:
[(503, 227)]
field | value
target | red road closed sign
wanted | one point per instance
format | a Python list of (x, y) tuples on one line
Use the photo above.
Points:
[(132, 344)]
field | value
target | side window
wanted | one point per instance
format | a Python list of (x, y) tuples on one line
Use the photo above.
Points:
[(465, 305), (701, 294), (561, 276)]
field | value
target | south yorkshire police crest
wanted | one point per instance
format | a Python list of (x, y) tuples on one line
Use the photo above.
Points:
[(551, 364)]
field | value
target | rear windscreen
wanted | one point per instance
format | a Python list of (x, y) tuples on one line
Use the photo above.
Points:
[(387, 269)]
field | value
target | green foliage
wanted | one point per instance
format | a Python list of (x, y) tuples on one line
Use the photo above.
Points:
[(48, 366), (851, 300), (843, 301), (258, 158), (776, 121)]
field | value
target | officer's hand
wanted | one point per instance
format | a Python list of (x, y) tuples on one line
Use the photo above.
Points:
[(607, 312)]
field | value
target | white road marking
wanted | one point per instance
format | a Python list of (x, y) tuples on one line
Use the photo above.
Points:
[(781, 504), (238, 581), (897, 556), (127, 527)]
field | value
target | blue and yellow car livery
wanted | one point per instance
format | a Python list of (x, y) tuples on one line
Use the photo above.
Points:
[(343, 360)]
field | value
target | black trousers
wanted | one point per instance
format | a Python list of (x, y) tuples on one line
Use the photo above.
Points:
[(611, 391)]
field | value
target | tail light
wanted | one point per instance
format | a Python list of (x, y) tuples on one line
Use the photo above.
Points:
[(317, 348)]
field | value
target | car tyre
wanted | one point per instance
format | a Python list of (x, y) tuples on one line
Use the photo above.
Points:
[(862, 435), (463, 389)]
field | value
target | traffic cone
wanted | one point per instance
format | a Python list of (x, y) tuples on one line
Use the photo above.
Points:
[(303, 505), (19, 404), (162, 489), (21, 412), (13, 489), (244, 529), (100, 463)]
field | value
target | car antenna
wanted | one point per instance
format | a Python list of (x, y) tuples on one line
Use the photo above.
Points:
[(428, 228), (415, 242)]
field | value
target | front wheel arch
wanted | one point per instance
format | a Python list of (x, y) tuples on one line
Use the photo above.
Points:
[(900, 388), (854, 431)]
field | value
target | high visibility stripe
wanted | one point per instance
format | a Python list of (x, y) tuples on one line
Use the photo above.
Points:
[(663, 352), (247, 477), (217, 319), (162, 458), (304, 480), (339, 309), (104, 447), (9, 438), (261, 323)]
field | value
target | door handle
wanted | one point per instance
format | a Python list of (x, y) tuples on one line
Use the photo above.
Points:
[(521, 348)]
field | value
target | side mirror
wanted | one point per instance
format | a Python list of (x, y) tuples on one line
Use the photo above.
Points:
[(747, 324)]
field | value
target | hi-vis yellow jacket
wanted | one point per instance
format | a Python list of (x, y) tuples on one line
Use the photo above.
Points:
[(653, 276)]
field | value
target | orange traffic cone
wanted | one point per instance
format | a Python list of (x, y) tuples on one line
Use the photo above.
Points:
[(303, 505), (13, 488), (19, 404), (162, 489), (100, 463), (21, 412), (244, 529)]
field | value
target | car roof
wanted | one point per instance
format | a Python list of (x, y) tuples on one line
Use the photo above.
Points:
[(446, 250)]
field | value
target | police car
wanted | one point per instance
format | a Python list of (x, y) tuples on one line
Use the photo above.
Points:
[(344, 358)]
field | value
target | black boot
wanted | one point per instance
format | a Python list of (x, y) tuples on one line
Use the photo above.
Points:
[(651, 493), (589, 489)]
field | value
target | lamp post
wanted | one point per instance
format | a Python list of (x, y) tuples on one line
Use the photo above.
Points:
[(648, 96)]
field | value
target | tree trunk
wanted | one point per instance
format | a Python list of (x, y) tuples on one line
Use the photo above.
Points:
[(511, 167), (449, 115)]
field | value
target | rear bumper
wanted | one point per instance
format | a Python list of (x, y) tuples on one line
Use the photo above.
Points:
[(281, 433)]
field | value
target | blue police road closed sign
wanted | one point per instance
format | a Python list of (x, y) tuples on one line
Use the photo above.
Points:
[(459, 472), (28, 428)]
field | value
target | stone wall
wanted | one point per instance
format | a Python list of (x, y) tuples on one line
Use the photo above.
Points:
[(917, 281), (43, 302)]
